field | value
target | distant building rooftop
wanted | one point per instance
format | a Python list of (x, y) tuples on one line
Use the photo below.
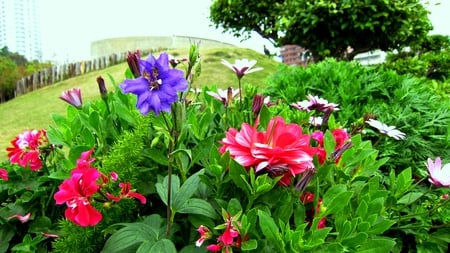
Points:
[(113, 45)]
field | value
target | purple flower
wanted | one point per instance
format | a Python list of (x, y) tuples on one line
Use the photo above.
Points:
[(73, 97), (157, 87)]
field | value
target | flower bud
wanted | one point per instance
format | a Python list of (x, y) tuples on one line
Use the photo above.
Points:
[(133, 63), (102, 87), (258, 101)]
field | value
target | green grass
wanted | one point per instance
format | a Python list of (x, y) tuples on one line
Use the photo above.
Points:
[(33, 110)]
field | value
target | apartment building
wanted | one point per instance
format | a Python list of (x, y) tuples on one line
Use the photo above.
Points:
[(20, 29)]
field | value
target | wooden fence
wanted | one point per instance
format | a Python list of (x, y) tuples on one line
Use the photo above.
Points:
[(58, 73)]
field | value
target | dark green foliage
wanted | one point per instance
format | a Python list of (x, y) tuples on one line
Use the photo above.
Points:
[(430, 59), (78, 239), (398, 100), (326, 28)]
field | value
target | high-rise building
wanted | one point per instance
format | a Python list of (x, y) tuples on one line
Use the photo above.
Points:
[(20, 29)]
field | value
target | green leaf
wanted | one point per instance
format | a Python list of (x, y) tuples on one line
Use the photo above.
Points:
[(202, 149), (161, 246), (409, 198), (249, 245), (156, 155), (355, 240), (328, 142), (186, 190), (239, 177), (361, 211), (380, 227), (270, 229), (161, 188), (124, 113), (198, 206), (6, 234), (337, 203), (376, 246), (404, 181), (128, 238)]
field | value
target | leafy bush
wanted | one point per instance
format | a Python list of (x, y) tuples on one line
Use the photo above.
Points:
[(399, 100), (217, 173)]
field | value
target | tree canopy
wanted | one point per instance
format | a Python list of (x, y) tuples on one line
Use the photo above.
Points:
[(326, 27)]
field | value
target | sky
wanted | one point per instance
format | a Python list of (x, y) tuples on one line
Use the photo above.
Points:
[(69, 26)]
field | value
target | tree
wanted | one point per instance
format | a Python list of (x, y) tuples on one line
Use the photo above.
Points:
[(326, 27), (17, 58), (8, 78)]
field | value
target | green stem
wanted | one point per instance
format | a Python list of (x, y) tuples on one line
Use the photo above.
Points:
[(240, 92), (169, 177)]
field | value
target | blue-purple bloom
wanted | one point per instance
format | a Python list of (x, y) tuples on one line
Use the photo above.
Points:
[(157, 87)]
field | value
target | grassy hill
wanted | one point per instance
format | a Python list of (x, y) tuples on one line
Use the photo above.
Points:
[(33, 110)]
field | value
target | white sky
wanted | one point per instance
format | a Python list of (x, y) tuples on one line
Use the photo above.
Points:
[(69, 26)]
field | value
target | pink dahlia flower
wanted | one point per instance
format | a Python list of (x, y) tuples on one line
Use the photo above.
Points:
[(281, 150)]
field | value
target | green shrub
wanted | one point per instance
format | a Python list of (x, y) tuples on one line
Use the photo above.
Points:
[(399, 100)]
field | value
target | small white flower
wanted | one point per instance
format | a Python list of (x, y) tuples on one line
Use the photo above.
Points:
[(241, 67), (315, 121), (387, 130), (225, 96)]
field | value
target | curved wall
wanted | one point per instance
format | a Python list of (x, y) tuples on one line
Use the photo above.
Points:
[(114, 45)]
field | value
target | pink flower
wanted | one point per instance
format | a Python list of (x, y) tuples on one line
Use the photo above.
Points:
[(73, 97), (75, 192), (127, 193), (22, 219), (25, 150), (227, 239), (282, 150), (340, 137), (439, 176), (205, 234), (4, 174), (85, 160)]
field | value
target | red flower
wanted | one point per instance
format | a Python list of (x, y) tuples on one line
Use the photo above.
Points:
[(127, 193), (340, 137), (4, 174), (308, 198), (25, 149), (227, 239), (76, 192), (282, 150)]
